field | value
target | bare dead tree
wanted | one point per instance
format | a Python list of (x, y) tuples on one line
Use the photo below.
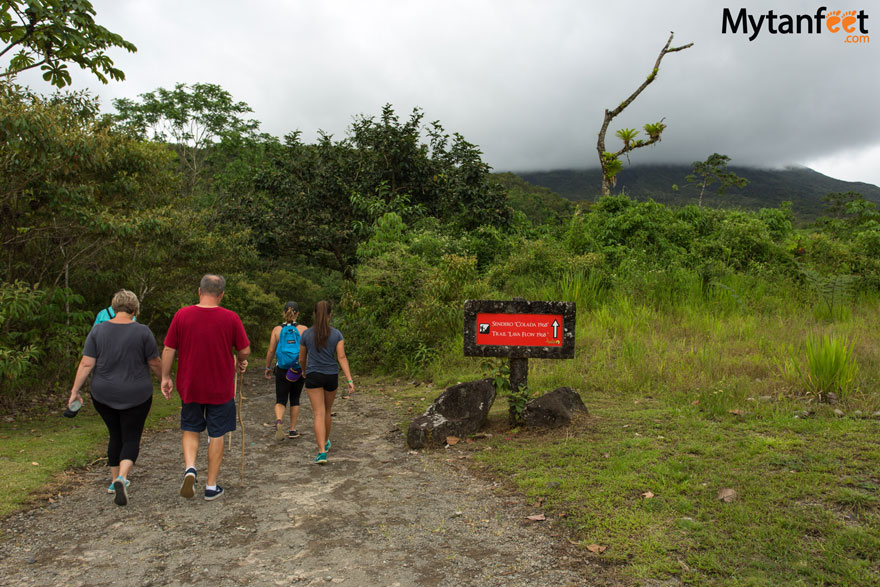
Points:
[(610, 162)]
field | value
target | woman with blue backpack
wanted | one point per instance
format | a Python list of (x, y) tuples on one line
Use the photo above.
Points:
[(284, 345)]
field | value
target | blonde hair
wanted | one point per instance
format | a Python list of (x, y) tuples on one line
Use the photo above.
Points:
[(290, 315), (125, 301)]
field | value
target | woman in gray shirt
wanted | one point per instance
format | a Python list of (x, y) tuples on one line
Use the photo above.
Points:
[(119, 354), (320, 349)]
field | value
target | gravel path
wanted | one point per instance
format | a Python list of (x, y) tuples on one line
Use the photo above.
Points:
[(376, 514)]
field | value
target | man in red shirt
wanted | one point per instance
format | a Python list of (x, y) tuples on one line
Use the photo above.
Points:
[(211, 345)]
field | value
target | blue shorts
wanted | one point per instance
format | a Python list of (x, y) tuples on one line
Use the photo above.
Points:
[(217, 418)]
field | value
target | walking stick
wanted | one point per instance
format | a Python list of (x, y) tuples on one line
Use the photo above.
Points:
[(239, 393)]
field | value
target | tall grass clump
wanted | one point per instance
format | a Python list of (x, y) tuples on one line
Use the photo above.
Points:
[(831, 366)]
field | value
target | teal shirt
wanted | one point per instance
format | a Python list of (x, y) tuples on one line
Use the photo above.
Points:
[(106, 314)]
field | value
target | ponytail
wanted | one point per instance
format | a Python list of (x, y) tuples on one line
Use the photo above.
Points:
[(289, 315), (322, 323)]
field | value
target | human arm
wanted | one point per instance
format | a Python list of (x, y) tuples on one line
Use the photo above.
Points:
[(343, 362), (241, 359), (270, 354), (156, 367), (168, 355), (303, 359), (86, 364)]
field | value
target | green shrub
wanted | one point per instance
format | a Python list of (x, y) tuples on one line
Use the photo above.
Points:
[(831, 366), (42, 334)]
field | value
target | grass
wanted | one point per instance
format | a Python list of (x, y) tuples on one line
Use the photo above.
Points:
[(35, 451), (686, 400)]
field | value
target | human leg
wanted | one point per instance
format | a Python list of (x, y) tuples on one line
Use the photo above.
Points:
[(190, 443), (282, 391), (220, 419), (295, 395), (331, 383), (132, 422), (114, 442), (316, 398), (294, 416), (215, 458), (329, 397)]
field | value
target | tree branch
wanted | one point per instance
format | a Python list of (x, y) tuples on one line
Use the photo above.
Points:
[(610, 114)]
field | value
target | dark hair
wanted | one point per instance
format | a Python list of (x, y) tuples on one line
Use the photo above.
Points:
[(322, 323), (213, 285)]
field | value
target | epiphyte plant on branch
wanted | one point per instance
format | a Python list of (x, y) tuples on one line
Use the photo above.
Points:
[(610, 161)]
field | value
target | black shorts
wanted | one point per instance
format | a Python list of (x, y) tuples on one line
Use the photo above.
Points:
[(286, 389), (217, 418), (315, 380)]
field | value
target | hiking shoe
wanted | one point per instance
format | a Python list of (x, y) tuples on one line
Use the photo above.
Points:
[(187, 488), (212, 494), (321, 459), (112, 489), (293, 434), (120, 487), (327, 446), (279, 430)]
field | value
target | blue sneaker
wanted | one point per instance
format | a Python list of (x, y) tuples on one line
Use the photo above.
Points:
[(187, 488), (321, 459), (120, 487), (212, 494), (112, 489), (327, 446)]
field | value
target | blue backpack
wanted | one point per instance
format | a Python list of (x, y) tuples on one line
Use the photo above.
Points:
[(287, 351)]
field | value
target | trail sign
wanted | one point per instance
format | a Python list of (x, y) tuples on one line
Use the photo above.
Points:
[(519, 329)]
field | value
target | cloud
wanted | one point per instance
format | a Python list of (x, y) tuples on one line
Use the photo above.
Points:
[(528, 82)]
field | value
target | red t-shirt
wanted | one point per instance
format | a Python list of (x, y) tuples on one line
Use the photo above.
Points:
[(204, 339)]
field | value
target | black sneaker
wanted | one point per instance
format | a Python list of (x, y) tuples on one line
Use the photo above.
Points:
[(121, 497), (187, 488), (212, 494), (293, 434)]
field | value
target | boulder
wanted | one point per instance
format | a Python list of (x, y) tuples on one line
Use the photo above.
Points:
[(553, 409), (459, 411)]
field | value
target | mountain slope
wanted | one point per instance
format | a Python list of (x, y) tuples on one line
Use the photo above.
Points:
[(767, 188)]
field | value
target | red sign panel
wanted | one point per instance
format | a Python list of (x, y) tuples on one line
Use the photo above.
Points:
[(519, 329)]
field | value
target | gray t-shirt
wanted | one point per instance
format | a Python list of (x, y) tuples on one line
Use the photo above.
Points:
[(121, 377), (322, 360)]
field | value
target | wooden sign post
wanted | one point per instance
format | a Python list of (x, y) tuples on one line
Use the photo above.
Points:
[(519, 330)]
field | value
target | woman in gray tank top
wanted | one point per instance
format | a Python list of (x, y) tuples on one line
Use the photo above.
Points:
[(322, 352)]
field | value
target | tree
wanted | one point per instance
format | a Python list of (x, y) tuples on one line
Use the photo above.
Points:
[(713, 169), (836, 203), (49, 34), (332, 192), (192, 119), (610, 162)]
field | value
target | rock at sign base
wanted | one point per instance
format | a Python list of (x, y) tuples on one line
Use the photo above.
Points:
[(460, 411), (553, 409)]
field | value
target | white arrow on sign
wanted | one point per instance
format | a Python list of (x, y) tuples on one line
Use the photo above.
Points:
[(555, 326)]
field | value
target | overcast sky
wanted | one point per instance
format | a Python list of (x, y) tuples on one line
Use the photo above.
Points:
[(526, 80)]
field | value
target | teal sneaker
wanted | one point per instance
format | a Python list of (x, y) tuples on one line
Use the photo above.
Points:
[(112, 489), (121, 491), (327, 446), (321, 459)]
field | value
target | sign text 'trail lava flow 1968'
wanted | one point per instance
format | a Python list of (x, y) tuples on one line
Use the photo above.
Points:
[(519, 329)]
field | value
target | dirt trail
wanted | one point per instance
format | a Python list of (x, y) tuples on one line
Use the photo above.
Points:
[(376, 514)]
